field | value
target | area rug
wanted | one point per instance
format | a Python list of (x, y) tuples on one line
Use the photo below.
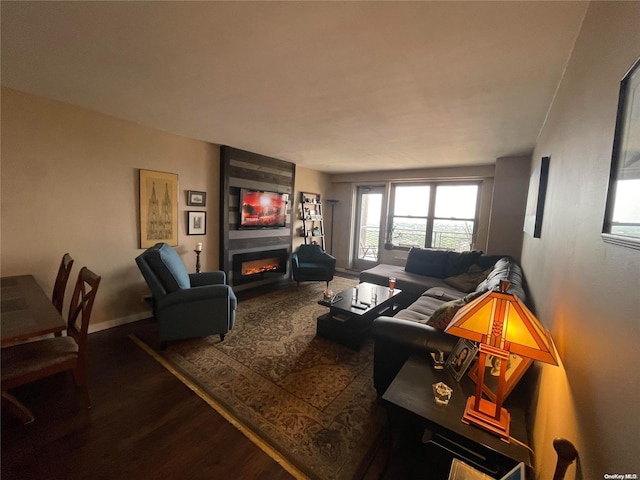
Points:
[(305, 400)]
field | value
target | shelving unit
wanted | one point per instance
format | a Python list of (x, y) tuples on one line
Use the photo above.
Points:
[(312, 219)]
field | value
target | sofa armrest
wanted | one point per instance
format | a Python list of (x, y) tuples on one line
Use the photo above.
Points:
[(396, 340), (412, 334)]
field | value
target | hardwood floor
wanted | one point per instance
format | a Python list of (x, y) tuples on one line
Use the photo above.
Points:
[(143, 424)]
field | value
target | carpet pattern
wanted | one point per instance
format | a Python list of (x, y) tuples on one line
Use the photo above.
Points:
[(310, 399)]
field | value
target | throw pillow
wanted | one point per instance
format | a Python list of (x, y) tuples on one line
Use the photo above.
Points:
[(460, 262), (441, 318), (427, 262), (467, 282)]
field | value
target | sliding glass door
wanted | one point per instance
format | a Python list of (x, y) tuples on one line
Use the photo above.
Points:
[(367, 240)]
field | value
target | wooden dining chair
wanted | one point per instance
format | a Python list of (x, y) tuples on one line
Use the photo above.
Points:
[(57, 298), (28, 362)]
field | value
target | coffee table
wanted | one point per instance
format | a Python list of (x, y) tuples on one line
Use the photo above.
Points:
[(352, 312)]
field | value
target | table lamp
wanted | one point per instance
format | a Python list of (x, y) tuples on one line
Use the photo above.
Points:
[(502, 324)]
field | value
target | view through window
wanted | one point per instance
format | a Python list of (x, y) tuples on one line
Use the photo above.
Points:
[(434, 215)]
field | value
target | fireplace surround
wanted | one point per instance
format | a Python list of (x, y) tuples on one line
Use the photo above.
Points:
[(254, 266)]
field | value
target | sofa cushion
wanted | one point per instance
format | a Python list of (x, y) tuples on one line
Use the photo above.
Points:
[(468, 281), (441, 318), (444, 293), (405, 281), (460, 262), (427, 262), (168, 267)]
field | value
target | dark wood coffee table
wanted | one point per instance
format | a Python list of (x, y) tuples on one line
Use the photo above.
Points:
[(353, 311)]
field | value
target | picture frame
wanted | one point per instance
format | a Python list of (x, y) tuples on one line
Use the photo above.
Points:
[(196, 198), (535, 198), (621, 224), (461, 357), (158, 208), (516, 367), (196, 223)]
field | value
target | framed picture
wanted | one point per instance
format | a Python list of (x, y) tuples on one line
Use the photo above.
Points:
[(535, 199), (196, 199), (196, 223), (622, 214), (516, 366), (461, 357), (158, 208)]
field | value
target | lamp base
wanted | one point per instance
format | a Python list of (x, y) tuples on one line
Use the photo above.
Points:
[(485, 417)]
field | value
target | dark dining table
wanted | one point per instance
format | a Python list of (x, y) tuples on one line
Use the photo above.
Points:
[(25, 312)]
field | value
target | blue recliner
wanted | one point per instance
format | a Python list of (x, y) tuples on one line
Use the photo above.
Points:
[(186, 305), (310, 263)]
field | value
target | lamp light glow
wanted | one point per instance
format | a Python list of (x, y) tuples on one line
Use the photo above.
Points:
[(502, 324)]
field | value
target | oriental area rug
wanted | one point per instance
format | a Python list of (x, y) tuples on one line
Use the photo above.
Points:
[(306, 401)]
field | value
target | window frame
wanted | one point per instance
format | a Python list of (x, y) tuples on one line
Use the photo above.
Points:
[(430, 218)]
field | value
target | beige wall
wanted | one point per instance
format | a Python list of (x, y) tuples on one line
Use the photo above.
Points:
[(311, 181), (70, 184), (508, 205), (587, 291)]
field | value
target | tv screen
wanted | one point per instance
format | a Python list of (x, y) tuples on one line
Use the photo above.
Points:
[(262, 209)]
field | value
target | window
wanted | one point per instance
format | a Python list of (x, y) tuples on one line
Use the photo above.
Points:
[(435, 215)]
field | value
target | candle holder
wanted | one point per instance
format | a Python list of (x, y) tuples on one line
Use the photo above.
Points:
[(198, 252)]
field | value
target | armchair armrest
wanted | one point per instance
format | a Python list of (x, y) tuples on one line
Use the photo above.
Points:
[(207, 278), (195, 294), (295, 262)]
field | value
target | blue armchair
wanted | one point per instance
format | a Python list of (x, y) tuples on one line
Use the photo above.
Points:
[(186, 305), (311, 263)]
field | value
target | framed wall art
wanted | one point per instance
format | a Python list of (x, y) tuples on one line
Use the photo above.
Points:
[(196, 223), (196, 199), (622, 215), (158, 208), (535, 199)]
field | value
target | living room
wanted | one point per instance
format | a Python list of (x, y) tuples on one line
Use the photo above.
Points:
[(70, 180)]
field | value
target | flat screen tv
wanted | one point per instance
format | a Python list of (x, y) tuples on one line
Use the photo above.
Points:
[(262, 209)]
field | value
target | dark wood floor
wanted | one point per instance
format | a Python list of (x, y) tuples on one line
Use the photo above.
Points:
[(143, 424)]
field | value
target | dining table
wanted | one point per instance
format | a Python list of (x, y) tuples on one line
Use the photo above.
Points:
[(26, 312)]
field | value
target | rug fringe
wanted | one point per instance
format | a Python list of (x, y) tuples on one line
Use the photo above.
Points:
[(228, 416)]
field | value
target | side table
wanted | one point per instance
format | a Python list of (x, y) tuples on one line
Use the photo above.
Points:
[(410, 397)]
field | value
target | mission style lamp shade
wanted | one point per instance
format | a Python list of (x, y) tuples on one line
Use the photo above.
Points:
[(502, 324)]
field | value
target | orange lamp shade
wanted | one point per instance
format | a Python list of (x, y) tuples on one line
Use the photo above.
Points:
[(502, 320)]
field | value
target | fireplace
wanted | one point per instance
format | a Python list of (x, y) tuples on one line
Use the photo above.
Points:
[(254, 266)]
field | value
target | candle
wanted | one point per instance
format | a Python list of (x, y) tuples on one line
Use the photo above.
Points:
[(198, 247)]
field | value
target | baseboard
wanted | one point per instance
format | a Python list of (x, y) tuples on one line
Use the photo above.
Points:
[(116, 322)]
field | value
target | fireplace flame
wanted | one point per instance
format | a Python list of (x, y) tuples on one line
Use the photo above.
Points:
[(260, 266)]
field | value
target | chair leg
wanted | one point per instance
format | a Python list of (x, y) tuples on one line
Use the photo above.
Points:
[(80, 377), (222, 335), (12, 405)]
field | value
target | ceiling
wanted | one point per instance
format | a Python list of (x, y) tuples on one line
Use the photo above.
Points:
[(332, 86)]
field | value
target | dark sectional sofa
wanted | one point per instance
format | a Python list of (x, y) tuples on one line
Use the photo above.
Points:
[(435, 284)]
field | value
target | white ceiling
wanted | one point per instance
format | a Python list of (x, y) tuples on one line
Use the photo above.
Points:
[(335, 86)]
